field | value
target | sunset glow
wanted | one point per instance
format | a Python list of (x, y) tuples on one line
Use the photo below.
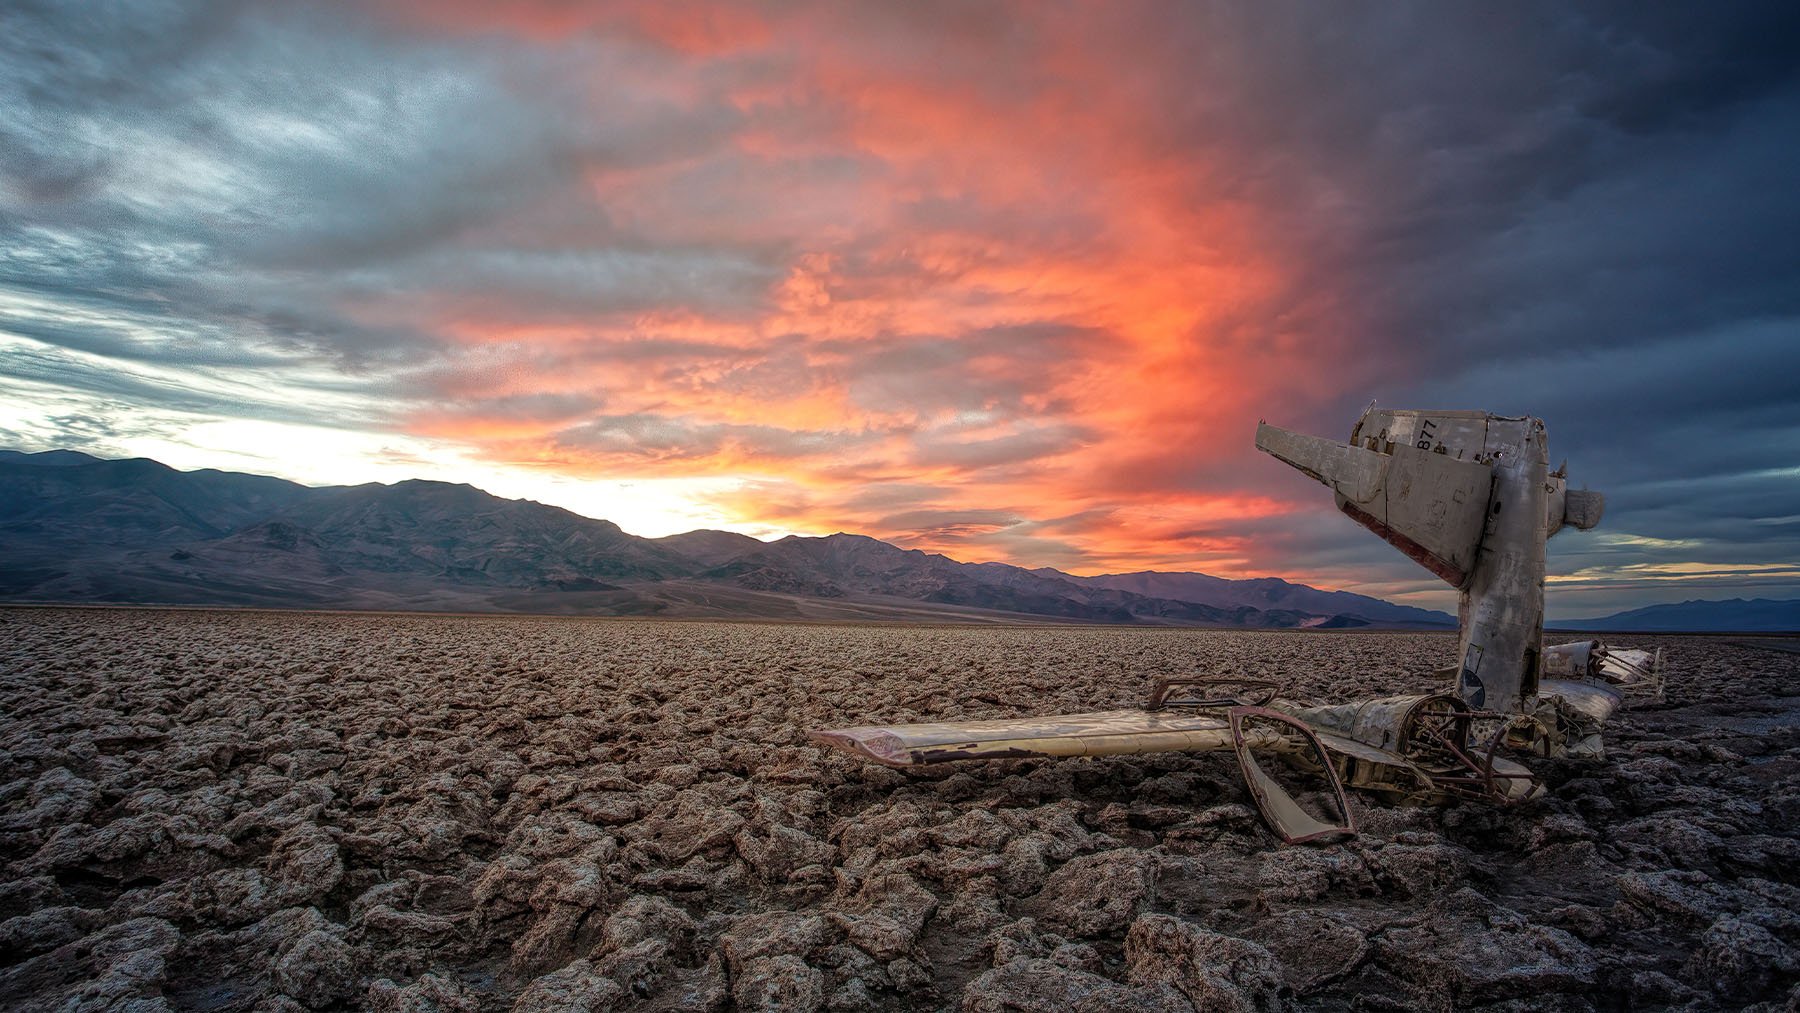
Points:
[(1004, 281)]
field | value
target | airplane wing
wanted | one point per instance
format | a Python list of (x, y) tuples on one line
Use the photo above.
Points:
[(1102, 733), (1247, 731)]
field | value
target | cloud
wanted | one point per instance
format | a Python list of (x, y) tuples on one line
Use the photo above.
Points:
[(1009, 280)]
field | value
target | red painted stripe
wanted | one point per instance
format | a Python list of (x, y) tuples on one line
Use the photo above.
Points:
[(1418, 553)]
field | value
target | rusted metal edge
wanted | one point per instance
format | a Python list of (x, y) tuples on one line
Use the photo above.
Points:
[(1482, 782), (858, 748), (1259, 792), (1263, 689), (1446, 571)]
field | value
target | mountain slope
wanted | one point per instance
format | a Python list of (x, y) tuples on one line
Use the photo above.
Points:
[(137, 531), (47, 458), (843, 564), (709, 548), (138, 502), (462, 534)]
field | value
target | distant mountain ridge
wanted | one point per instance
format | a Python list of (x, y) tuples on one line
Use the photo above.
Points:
[(1757, 615), (76, 528), (1267, 592)]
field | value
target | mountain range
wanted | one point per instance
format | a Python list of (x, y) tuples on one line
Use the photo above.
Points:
[(1757, 615), (76, 528)]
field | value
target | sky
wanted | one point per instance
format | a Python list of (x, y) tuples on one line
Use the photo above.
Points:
[(1008, 281)]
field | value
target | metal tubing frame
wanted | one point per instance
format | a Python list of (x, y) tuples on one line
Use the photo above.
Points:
[(1263, 690), (1484, 776)]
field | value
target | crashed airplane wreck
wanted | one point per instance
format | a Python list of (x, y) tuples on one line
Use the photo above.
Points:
[(1469, 496)]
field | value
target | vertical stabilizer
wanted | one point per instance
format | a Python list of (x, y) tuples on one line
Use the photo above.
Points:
[(1470, 497)]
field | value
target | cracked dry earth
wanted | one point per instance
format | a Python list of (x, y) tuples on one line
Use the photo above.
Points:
[(285, 811)]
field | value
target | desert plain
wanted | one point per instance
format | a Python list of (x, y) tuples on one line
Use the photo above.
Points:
[(235, 810)]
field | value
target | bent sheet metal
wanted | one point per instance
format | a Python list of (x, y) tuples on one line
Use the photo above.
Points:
[(1470, 497)]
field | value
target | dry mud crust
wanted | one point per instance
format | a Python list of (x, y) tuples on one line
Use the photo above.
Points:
[(236, 810)]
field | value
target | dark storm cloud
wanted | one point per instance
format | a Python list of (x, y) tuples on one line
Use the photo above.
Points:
[(1576, 212), (1485, 185), (280, 173), (1489, 184)]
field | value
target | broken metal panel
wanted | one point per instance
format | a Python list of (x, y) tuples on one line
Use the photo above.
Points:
[(1592, 700), (1103, 733), (1463, 435), (1373, 769), (1578, 660), (1584, 684), (1279, 809), (1357, 750), (1418, 749), (1638, 672), (1437, 503), (1429, 777), (1567, 719), (1354, 473), (1210, 691), (1386, 722), (1515, 780)]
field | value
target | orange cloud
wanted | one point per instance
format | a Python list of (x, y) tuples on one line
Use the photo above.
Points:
[(969, 262)]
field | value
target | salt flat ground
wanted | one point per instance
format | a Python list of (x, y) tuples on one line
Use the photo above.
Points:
[(233, 810)]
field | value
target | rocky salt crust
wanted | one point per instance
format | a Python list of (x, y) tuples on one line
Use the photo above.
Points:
[(232, 811)]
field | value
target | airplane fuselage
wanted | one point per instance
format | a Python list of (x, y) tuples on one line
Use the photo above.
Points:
[(1502, 605)]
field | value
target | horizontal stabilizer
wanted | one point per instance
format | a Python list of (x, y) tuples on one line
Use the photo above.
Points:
[(1582, 508), (1351, 472), (1429, 505)]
